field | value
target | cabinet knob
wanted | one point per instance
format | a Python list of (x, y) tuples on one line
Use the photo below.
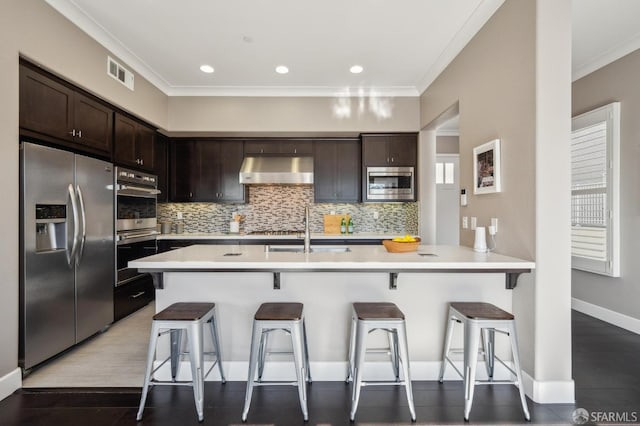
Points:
[(295, 150), (142, 162), (73, 133), (191, 195), (79, 133), (387, 160), (392, 159)]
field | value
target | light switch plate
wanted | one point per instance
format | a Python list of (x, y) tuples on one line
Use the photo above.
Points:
[(465, 222), (474, 222)]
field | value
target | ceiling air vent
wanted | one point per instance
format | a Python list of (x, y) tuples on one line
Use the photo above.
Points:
[(119, 72)]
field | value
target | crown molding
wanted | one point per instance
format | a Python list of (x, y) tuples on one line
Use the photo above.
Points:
[(604, 59), (474, 23)]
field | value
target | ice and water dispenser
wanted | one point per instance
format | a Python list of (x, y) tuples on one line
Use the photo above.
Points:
[(51, 227)]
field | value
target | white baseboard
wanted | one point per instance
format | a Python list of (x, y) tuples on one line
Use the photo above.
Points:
[(9, 383), (549, 392), (607, 315)]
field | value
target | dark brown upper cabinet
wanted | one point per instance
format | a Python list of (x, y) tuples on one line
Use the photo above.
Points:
[(390, 150), (57, 113), (336, 170), (161, 166), (134, 144), (278, 147), (206, 170)]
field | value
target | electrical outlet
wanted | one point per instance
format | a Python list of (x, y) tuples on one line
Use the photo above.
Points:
[(494, 223), (376, 215), (474, 222), (465, 222), (179, 214)]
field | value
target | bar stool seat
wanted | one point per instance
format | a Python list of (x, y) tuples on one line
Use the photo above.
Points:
[(367, 317), (287, 317), (175, 319), (481, 321)]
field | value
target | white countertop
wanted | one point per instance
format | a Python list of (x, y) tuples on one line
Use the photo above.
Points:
[(361, 258), (242, 236)]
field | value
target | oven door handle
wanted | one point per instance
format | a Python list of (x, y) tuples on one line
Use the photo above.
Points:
[(149, 191)]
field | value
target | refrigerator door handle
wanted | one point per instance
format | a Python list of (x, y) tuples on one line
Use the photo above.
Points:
[(76, 231), (83, 221)]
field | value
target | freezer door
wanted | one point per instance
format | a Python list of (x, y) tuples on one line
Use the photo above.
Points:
[(95, 270), (47, 315)]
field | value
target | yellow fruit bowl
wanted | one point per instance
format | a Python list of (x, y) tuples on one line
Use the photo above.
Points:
[(401, 246)]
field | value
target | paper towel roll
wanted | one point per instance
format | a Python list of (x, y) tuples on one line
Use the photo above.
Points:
[(480, 243)]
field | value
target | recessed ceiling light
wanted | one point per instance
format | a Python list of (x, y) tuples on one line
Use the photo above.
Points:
[(356, 69), (206, 68), (281, 69)]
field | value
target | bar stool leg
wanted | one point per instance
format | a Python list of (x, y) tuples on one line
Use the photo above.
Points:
[(393, 349), (253, 359), (447, 345), (176, 348), (300, 365), (216, 343), (195, 353), (401, 334), (516, 364), (471, 336), (262, 352), (352, 343), (153, 340), (360, 351), (488, 345), (306, 350)]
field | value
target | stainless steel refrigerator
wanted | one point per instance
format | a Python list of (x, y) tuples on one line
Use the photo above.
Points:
[(67, 250)]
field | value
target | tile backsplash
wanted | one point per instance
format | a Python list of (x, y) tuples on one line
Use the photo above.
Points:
[(281, 207)]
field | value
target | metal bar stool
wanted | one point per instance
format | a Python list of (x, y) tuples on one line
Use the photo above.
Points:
[(289, 318), (481, 321), (175, 319), (366, 318)]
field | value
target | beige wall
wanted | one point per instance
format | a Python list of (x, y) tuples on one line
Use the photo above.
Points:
[(617, 82), (447, 144), (287, 115), (512, 82), (493, 79), (32, 28)]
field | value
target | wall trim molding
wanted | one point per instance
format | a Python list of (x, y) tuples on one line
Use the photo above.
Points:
[(10, 382), (549, 391), (612, 317)]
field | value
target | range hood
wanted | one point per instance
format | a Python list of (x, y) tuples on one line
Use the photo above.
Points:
[(281, 170)]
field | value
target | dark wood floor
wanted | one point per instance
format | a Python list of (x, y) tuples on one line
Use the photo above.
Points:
[(605, 368)]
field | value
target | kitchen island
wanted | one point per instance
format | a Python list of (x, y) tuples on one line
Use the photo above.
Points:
[(238, 278)]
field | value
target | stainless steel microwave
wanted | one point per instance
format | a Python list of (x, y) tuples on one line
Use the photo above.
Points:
[(390, 183)]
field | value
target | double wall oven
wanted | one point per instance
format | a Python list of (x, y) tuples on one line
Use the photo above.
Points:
[(136, 206)]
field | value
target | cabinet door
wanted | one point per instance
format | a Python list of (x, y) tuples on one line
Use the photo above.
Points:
[(336, 176), (402, 149), (374, 150), (208, 175), (93, 122), (230, 160), (261, 147), (349, 171), (125, 141), (145, 144), (46, 106), (183, 167), (296, 147), (160, 166)]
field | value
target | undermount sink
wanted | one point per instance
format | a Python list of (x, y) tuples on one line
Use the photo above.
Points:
[(300, 249)]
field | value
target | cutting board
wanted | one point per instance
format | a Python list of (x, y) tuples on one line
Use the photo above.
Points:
[(332, 223)]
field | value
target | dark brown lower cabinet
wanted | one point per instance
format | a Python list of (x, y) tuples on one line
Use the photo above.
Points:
[(132, 296)]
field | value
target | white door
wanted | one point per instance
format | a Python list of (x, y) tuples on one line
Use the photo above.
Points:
[(447, 199)]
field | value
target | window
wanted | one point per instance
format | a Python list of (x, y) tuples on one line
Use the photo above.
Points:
[(595, 185), (445, 173)]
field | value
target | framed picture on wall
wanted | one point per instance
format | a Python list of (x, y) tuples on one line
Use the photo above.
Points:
[(486, 167)]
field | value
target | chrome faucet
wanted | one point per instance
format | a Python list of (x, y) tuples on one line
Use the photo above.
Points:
[(307, 234)]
